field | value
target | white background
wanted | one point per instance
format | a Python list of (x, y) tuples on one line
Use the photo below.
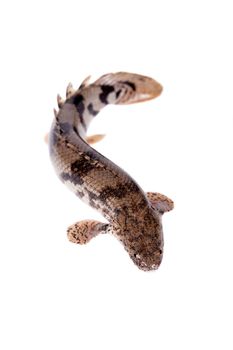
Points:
[(56, 295)]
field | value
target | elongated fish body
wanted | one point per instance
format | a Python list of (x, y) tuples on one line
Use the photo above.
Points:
[(132, 215)]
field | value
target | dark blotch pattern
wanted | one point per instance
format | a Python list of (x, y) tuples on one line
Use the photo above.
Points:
[(129, 83), (91, 110), (78, 101), (118, 93), (92, 196), (81, 166), (74, 178), (78, 170), (119, 192), (106, 90)]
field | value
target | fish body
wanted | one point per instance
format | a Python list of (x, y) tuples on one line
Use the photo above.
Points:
[(132, 215)]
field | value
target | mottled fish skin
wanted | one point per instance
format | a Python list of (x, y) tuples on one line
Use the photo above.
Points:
[(133, 216)]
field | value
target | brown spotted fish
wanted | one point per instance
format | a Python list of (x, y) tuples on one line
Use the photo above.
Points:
[(132, 215)]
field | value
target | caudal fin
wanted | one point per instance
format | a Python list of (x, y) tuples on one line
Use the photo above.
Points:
[(130, 87)]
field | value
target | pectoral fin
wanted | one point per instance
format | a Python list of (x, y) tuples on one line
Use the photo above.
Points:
[(83, 231), (94, 138), (160, 202)]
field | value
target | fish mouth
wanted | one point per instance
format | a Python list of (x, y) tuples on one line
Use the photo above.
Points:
[(142, 265), (148, 268)]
